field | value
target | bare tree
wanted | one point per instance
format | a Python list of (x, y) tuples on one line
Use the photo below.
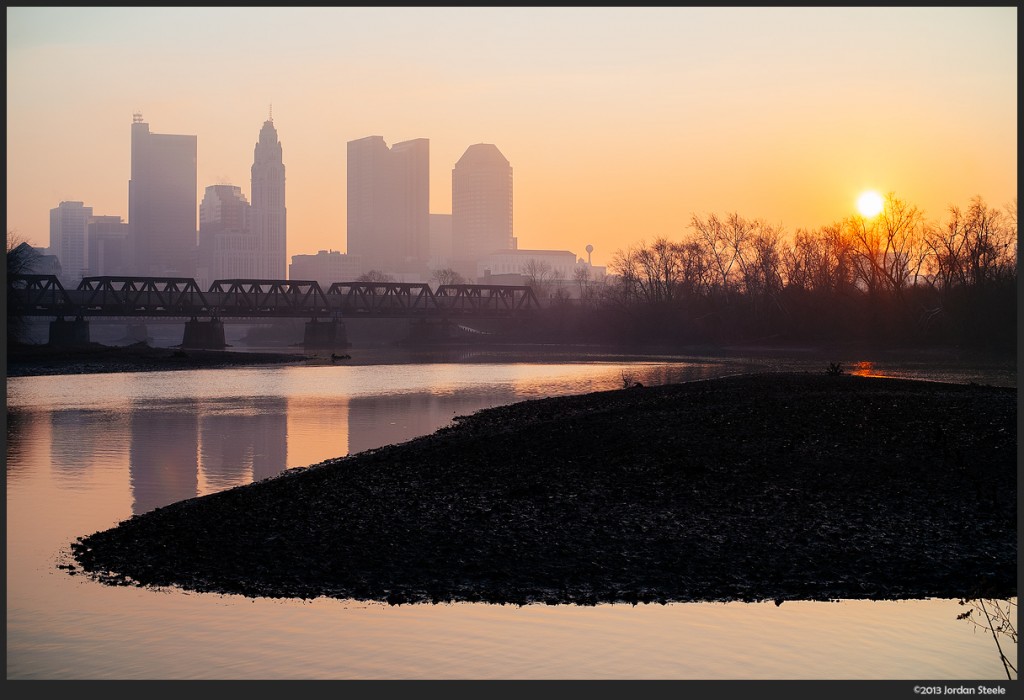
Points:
[(21, 259), (447, 276), (889, 250), (762, 269), (538, 276), (375, 277), (724, 242), (999, 618), (581, 275), (975, 246), (21, 256)]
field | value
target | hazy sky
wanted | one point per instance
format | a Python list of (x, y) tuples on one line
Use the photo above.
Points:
[(619, 123)]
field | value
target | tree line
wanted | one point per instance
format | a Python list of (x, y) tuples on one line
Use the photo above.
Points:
[(890, 279)]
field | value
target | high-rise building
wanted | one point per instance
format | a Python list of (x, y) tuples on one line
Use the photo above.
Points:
[(389, 205), (440, 241), (481, 206), (108, 243), (325, 268), (69, 223), (227, 247), (162, 202), (268, 208)]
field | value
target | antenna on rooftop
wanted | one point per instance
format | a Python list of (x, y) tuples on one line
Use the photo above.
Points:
[(271, 111), (137, 118)]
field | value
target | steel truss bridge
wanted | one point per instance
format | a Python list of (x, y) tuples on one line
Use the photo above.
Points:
[(181, 297)]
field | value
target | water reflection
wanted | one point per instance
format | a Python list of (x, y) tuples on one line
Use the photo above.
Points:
[(86, 452), (73, 437), (182, 449), (163, 460), (865, 369), (242, 440)]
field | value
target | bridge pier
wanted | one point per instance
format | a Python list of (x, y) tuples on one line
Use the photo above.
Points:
[(204, 335), (64, 332), (325, 335)]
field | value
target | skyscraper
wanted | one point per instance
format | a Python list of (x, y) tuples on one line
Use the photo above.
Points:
[(268, 208), (481, 206), (227, 247), (162, 202), (108, 243), (389, 205), (69, 223)]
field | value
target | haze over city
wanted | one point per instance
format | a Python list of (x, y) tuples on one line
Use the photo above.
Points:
[(619, 123)]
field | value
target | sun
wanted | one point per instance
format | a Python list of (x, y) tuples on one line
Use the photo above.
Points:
[(870, 204)]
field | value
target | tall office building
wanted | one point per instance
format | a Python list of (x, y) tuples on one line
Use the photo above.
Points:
[(108, 243), (325, 268), (69, 223), (389, 205), (268, 209), (162, 202), (481, 206), (227, 248)]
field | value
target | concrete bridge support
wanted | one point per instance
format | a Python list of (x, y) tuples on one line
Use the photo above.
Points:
[(204, 335), (64, 332), (325, 335)]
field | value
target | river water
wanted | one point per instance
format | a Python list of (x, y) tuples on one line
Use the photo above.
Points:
[(87, 451)]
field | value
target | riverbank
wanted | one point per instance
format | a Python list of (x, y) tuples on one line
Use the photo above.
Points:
[(756, 487), (41, 360), (24, 360)]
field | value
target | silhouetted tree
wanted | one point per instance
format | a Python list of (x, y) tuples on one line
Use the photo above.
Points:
[(724, 242), (447, 276), (375, 277), (974, 247), (999, 618), (21, 259), (581, 275), (890, 279), (538, 276), (889, 249)]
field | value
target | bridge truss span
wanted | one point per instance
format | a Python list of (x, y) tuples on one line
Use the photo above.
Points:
[(259, 298), (141, 296), (179, 297)]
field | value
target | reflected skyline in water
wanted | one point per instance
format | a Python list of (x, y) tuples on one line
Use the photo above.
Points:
[(85, 452), (180, 448)]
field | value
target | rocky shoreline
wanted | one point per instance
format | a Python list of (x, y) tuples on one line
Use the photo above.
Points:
[(756, 487)]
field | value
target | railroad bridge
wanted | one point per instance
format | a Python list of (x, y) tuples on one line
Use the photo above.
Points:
[(180, 297)]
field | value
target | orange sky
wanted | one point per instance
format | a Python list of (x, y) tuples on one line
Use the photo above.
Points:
[(619, 123)]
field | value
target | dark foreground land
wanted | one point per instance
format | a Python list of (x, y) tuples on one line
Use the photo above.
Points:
[(758, 487)]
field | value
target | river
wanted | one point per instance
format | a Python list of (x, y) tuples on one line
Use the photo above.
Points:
[(85, 452)]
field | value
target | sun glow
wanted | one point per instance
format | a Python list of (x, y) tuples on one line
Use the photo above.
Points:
[(870, 204)]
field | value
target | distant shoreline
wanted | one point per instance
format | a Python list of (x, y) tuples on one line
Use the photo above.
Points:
[(27, 360), (43, 360)]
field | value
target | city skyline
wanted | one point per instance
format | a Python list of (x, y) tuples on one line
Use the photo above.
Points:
[(621, 123)]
